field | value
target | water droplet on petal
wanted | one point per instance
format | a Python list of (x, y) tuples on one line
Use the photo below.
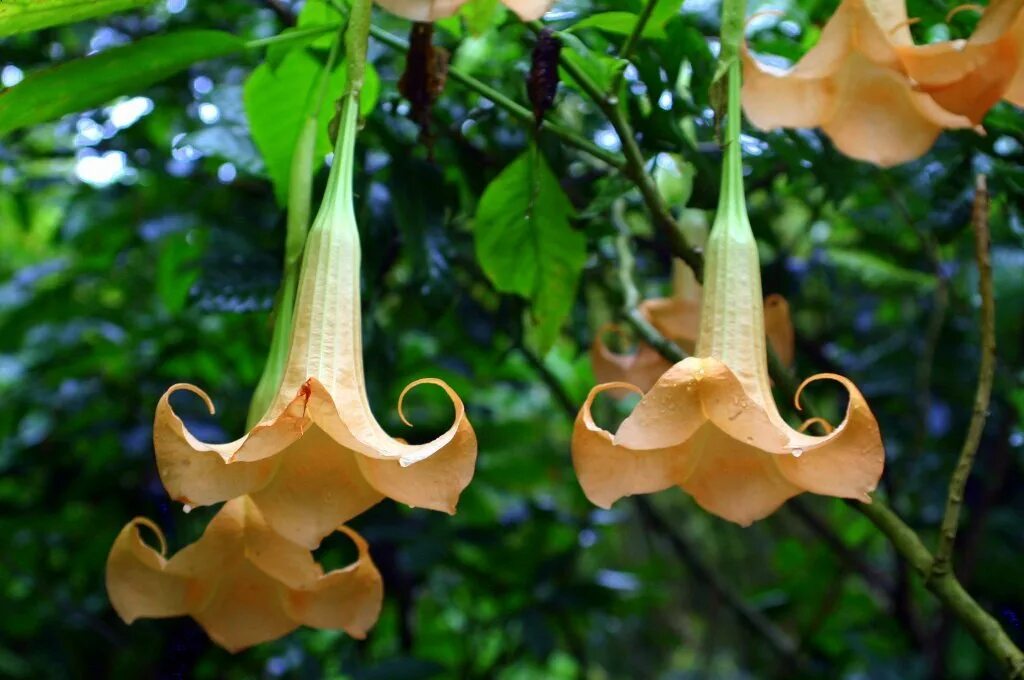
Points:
[(186, 508), (797, 452)]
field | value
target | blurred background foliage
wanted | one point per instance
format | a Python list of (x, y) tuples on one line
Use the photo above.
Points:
[(141, 245)]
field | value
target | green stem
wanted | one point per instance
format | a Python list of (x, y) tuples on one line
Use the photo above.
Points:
[(631, 42), (357, 37), (292, 35), (986, 374), (635, 166)]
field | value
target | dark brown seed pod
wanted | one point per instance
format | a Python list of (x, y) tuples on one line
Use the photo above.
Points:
[(542, 83), (422, 82)]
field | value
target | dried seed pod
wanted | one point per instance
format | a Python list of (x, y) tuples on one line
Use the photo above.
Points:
[(542, 83), (422, 82)]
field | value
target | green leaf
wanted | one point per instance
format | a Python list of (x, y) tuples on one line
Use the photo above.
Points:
[(318, 13), (276, 101), (526, 245), (85, 83), (601, 68), (19, 16), (878, 273), (620, 23), (482, 15)]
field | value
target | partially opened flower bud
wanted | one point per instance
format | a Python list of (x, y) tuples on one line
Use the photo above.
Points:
[(710, 424), (241, 581), (853, 86), (318, 457)]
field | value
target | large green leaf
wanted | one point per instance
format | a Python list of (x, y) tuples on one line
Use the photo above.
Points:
[(18, 16), (92, 81), (619, 23), (526, 245)]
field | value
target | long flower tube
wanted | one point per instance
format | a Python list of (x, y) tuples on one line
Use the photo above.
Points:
[(241, 581), (710, 424), (852, 84), (318, 457)]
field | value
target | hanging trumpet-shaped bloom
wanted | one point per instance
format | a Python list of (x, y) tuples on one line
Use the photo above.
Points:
[(678, 319), (710, 424), (969, 77), (318, 457), (432, 10), (853, 86), (241, 581)]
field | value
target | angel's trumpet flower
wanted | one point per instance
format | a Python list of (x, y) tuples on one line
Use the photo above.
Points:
[(710, 424), (969, 77), (432, 10), (678, 319), (241, 581), (852, 85), (318, 457)]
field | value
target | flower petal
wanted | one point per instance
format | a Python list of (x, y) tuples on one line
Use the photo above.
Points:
[(422, 10), (317, 486), (528, 10), (774, 98), (349, 598), (779, 328), (247, 609), (733, 480), (641, 368), (966, 79), (242, 582), (137, 585), (668, 414), (846, 463), (879, 117), (678, 319), (688, 395), (607, 471), (196, 473)]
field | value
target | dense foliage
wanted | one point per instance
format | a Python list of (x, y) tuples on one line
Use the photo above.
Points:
[(141, 245)]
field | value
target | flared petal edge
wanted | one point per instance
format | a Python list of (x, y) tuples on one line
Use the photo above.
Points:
[(265, 590), (607, 471), (846, 463)]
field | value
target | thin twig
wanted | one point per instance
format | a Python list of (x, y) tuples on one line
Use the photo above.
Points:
[(986, 374), (631, 42), (635, 168), (780, 641)]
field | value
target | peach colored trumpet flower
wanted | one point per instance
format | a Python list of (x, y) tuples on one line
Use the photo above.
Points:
[(678, 319), (710, 424), (241, 581), (318, 457), (432, 10), (853, 86), (969, 77)]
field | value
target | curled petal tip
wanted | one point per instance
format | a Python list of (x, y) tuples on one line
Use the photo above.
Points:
[(815, 378), (426, 381), (194, 390), (151, 525)]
